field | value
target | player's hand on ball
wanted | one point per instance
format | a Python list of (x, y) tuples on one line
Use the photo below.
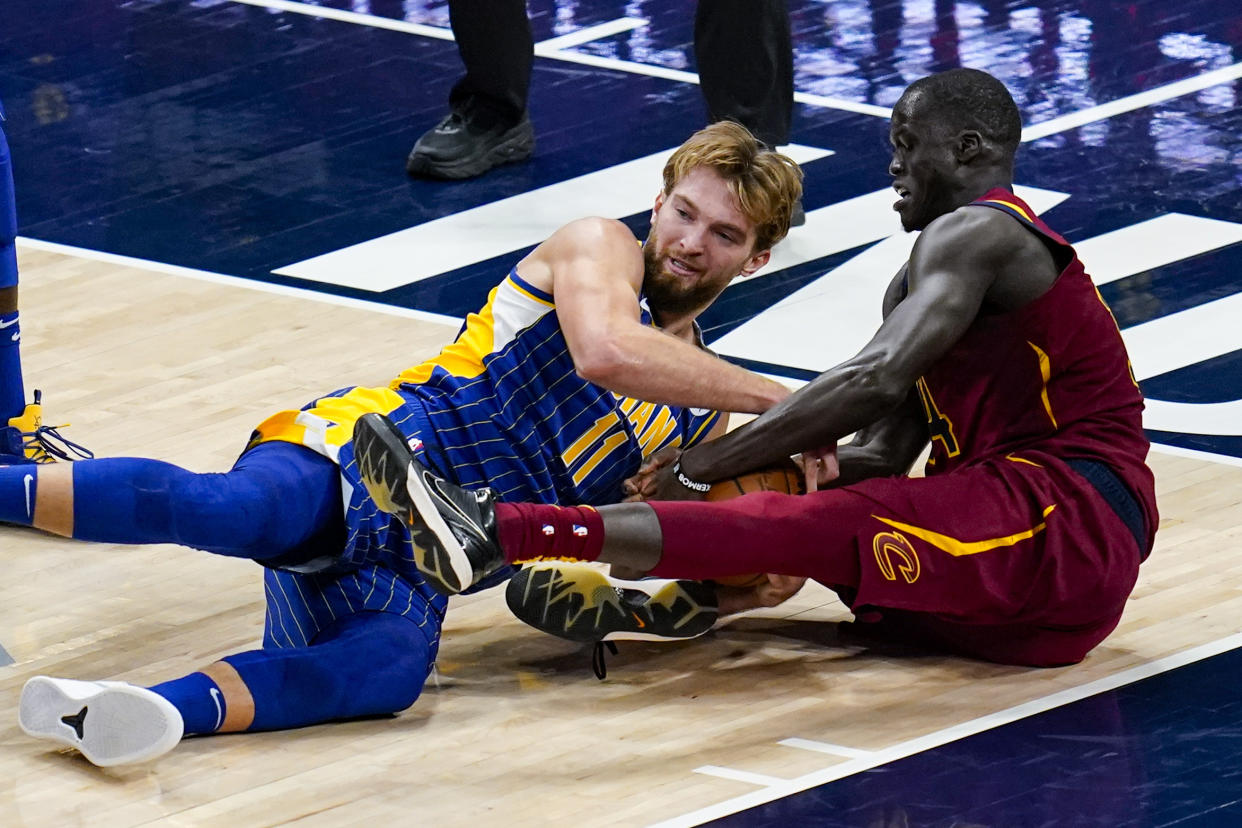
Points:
[(819, 467), (644, 485)]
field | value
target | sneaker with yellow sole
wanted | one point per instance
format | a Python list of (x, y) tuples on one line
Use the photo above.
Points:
[(27, 440)]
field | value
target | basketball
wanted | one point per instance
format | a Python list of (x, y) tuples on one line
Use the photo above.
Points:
[(785, 479)]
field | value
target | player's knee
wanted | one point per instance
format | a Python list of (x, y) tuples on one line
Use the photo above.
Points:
[(407, 663), (224, 513), (379, 659)]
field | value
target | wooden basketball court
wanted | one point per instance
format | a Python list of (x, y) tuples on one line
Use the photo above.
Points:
[(514, 729)]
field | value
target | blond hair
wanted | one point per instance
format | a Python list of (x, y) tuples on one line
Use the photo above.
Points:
[(766, 184)]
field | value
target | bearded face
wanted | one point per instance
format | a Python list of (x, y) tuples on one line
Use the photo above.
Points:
[(699, 241), (669, 293)]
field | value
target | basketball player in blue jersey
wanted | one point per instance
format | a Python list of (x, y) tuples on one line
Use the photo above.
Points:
[(23, 437), (584, 361)]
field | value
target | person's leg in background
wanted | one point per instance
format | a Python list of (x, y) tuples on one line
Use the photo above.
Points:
[(487, 124), (744, 50)]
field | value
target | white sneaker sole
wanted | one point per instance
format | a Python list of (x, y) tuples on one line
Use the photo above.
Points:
[(120, 723), (435, 523)]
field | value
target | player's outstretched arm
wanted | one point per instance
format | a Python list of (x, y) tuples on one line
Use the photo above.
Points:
[(951, 268), (596, 273)]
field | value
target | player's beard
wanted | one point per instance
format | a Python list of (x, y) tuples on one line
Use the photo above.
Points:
[(666, 294)]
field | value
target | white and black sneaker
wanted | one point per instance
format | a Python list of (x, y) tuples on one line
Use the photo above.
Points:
[(453, 529), (581, 603), (110, 722)]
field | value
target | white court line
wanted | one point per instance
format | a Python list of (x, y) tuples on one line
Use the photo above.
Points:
[(1132, 102), (951, 734), (237, 281), (762, 780), (360, 19), (826, 747), (598, 32), (1196, 454), (840, 103)]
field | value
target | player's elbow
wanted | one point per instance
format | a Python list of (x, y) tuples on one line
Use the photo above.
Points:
[(603, 362)]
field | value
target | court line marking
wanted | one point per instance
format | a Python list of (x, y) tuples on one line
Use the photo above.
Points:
[(760, 779), (237, 281), (953, 733), (826, 747), (374, 21), (553, 49), (1196, 454), (1129, 103), (596, 32)]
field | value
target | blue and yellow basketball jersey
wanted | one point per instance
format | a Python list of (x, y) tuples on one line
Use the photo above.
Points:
[(507, 408), (502, 406)]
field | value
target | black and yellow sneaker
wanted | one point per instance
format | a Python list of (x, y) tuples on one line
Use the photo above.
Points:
[(581, 603), (453, 529), (27, 440)]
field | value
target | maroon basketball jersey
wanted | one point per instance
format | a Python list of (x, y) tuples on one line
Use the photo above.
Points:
[(1051, 377)]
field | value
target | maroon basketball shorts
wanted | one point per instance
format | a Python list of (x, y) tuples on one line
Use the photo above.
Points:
[(1017, 560)]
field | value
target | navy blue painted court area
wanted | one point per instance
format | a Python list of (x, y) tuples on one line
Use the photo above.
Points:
[(266, 140), (1161, 751)]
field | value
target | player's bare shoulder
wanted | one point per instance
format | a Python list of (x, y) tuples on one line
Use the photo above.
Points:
[(584, 236), (580, 246), (970, 238), (998, 253)]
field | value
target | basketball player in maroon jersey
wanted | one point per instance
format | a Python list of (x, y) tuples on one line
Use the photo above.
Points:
[(1019, 545)]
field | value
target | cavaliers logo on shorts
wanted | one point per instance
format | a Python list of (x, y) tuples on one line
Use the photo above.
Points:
[(895, 556)]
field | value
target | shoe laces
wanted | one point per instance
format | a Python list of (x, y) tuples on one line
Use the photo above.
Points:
[(599, 665), (455, 122), (47, 445)]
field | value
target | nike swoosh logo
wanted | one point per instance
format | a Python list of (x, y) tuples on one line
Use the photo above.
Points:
[(638, 620), (433, 484), (8, 324), (215, 697), (26, 481)]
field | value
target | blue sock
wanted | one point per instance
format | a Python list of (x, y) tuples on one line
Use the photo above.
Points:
[(199, 701), (17, 493), (12, 393)]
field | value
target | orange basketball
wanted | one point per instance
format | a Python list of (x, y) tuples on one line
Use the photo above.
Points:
[(786, 479)]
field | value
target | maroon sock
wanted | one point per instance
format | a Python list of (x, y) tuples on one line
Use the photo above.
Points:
[(535, 532)]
